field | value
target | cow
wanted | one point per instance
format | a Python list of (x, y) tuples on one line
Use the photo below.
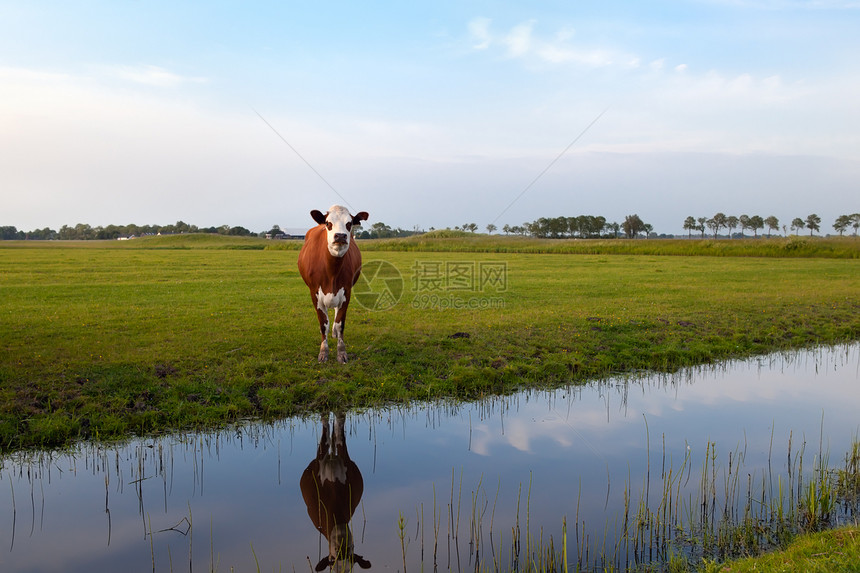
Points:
[(330, 263), (331, 487)]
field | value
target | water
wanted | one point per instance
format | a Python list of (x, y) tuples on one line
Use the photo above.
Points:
[(461, 479)]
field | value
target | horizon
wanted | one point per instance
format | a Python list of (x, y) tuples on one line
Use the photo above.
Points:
[(784, 229)]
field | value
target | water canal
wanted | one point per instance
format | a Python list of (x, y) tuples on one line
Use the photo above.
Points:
[(445, 486)]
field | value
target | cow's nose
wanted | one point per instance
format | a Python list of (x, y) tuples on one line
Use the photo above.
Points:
[(340, 237)]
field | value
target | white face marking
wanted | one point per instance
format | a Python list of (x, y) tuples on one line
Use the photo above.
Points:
[(332, 469), (338, 224), (340, 547)]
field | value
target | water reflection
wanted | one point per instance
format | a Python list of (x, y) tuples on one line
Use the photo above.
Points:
[(467, 481), (331, 487)]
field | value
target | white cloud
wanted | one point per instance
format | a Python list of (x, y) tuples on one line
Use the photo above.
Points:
[(74, 149), (565, 34), (18, 76), (479, 28), (558, 55), (519, 40), (718, 90), (152, 76)]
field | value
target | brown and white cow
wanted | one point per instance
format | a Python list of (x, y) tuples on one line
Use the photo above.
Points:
[(330, 264), (331, 487)]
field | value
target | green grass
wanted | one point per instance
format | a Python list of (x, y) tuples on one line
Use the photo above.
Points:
[(792, 246), (834, 551), (104, 339)]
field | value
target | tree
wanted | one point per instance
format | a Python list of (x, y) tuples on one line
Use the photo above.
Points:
[(597, 225), (797, 224), (530, 229), (813, 223), (46, 234), (183, 227), (585, 226), (744, 221), (9, 233), (491, 228), (380, 230), (113, 232), (556, 226), (772, 224), (702, 222), (842, 223), (632, 226), (690, 226), (713, 226), (79, 232), (507, 229), (717, 222), (855, 222), (471, 227), (731, 224), (615, 228), (756, 223)]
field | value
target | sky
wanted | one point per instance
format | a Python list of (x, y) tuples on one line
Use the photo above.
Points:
[(427, 114)]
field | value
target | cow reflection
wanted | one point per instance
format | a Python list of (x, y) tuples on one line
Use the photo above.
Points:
[(332, 487)]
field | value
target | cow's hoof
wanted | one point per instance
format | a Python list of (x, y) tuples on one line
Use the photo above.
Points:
[(341, 357), (322, 357)]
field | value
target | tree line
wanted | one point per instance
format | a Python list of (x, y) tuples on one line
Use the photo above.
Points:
[(378, 230), (582, 226), (85, 232), (755, 223)]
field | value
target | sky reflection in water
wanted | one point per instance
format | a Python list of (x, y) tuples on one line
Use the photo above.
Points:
[(567, 453)]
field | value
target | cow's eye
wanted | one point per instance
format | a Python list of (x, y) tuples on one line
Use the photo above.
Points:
[(349, 226), (328, 225)]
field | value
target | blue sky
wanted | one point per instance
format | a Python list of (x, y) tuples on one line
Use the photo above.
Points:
[(427, 114)]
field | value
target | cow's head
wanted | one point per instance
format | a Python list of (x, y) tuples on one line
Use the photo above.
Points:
[(341, 555), (338, 223)]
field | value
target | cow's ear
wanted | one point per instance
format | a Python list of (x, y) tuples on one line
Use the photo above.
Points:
[(362, 562), (360, 217), (318, 217), (325, 561)]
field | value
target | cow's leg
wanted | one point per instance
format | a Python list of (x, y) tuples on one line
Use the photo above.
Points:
[(340, 436), (325, 443), (322, 316), (337, 331)]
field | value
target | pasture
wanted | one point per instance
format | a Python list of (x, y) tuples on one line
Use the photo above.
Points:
[(104, 339)]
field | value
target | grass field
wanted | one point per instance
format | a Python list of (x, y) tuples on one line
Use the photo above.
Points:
[(835, 551), (103, 339)]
